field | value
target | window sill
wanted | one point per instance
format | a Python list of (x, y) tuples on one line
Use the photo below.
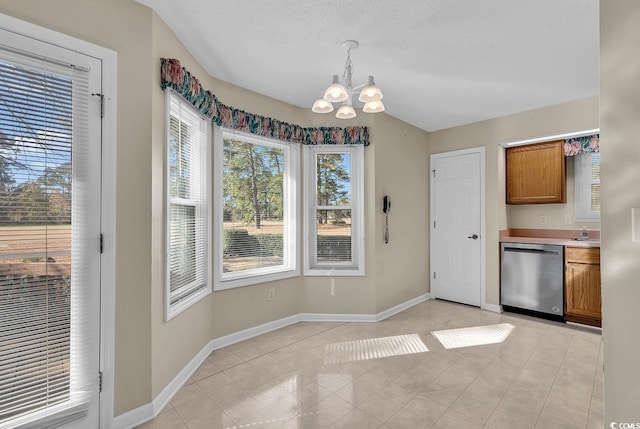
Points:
[(332, 272), (174, 309), (587, 219), (253, 280)]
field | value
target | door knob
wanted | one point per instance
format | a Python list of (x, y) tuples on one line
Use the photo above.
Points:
[(473, 237)]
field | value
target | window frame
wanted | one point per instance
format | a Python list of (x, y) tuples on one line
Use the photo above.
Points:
[(290, 267), (356, 182), (203, 285), (583, 180)]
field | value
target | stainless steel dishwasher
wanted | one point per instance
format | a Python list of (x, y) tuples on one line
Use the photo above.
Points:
[(532, 278)]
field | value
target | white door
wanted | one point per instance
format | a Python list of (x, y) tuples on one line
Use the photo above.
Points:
[(50, 171), (456, 224)]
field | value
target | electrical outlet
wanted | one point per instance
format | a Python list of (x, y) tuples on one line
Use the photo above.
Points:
[(332, 287), (567, 219), (543, 220), (271, 294)]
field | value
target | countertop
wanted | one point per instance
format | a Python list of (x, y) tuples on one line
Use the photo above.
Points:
[(556, 241)]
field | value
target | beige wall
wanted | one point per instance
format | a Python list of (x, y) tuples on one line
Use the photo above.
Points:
[(563, 118), (402, 172), (528, 215), (620, 128)]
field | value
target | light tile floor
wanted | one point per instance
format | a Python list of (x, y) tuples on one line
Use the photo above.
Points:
[(544, 375)]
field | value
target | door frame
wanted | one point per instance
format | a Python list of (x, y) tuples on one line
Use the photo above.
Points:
[(108, 194), (483, 262)]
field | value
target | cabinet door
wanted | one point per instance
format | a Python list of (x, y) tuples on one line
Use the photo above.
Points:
[(536, 174), (583, 296)]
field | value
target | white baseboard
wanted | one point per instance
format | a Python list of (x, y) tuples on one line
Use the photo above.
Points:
[(401, 307), (332, 317), (178, 381), (133, 418), (492, 307), (147, 412), (245, 334)]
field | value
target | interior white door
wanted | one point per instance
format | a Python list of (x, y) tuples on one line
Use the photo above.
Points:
[(456, 227), (50, 163)]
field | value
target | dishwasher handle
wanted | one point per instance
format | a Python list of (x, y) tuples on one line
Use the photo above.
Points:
[(530, 250)]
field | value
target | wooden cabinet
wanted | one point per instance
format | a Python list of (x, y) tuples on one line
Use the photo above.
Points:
[(583, 300), (536, 173)]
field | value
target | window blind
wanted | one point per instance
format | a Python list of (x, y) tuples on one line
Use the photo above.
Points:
[(48, 365), (187, 197), (595, 182), (587, 187)]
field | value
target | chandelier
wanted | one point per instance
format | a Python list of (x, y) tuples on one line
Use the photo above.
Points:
[(343, 92)]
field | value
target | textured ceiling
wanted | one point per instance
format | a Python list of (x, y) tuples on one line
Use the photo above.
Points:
[(440, 63)]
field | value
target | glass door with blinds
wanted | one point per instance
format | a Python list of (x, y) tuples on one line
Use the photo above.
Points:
[(49, 235)]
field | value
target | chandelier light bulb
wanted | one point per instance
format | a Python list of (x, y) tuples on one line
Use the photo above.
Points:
[(322, 106), (373, 107), (335, 93), (370, 92), (346, 111)]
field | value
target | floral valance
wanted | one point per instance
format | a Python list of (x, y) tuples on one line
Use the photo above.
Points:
[(580, 145), (176, 77)]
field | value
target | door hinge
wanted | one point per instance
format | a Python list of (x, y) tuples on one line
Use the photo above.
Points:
[(100, 381), (434, 275), (97, 94), (434, 172), (434, 223), (101, 243)]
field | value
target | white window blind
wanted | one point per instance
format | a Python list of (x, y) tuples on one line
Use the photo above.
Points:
[(187, 212), (49, 260), (334, 212), (257, 201), (587, 187)]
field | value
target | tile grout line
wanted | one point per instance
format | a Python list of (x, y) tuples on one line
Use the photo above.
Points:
[(593, 388), (520, 371), (259, 356), (564, 357), (266, 353), (461, 356), (466, 359)]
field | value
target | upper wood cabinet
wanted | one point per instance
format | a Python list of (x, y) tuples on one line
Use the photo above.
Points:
[(536, 173)]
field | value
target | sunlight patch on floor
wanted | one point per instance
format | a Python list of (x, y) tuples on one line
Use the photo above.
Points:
[(474, 336), (374, 348)]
